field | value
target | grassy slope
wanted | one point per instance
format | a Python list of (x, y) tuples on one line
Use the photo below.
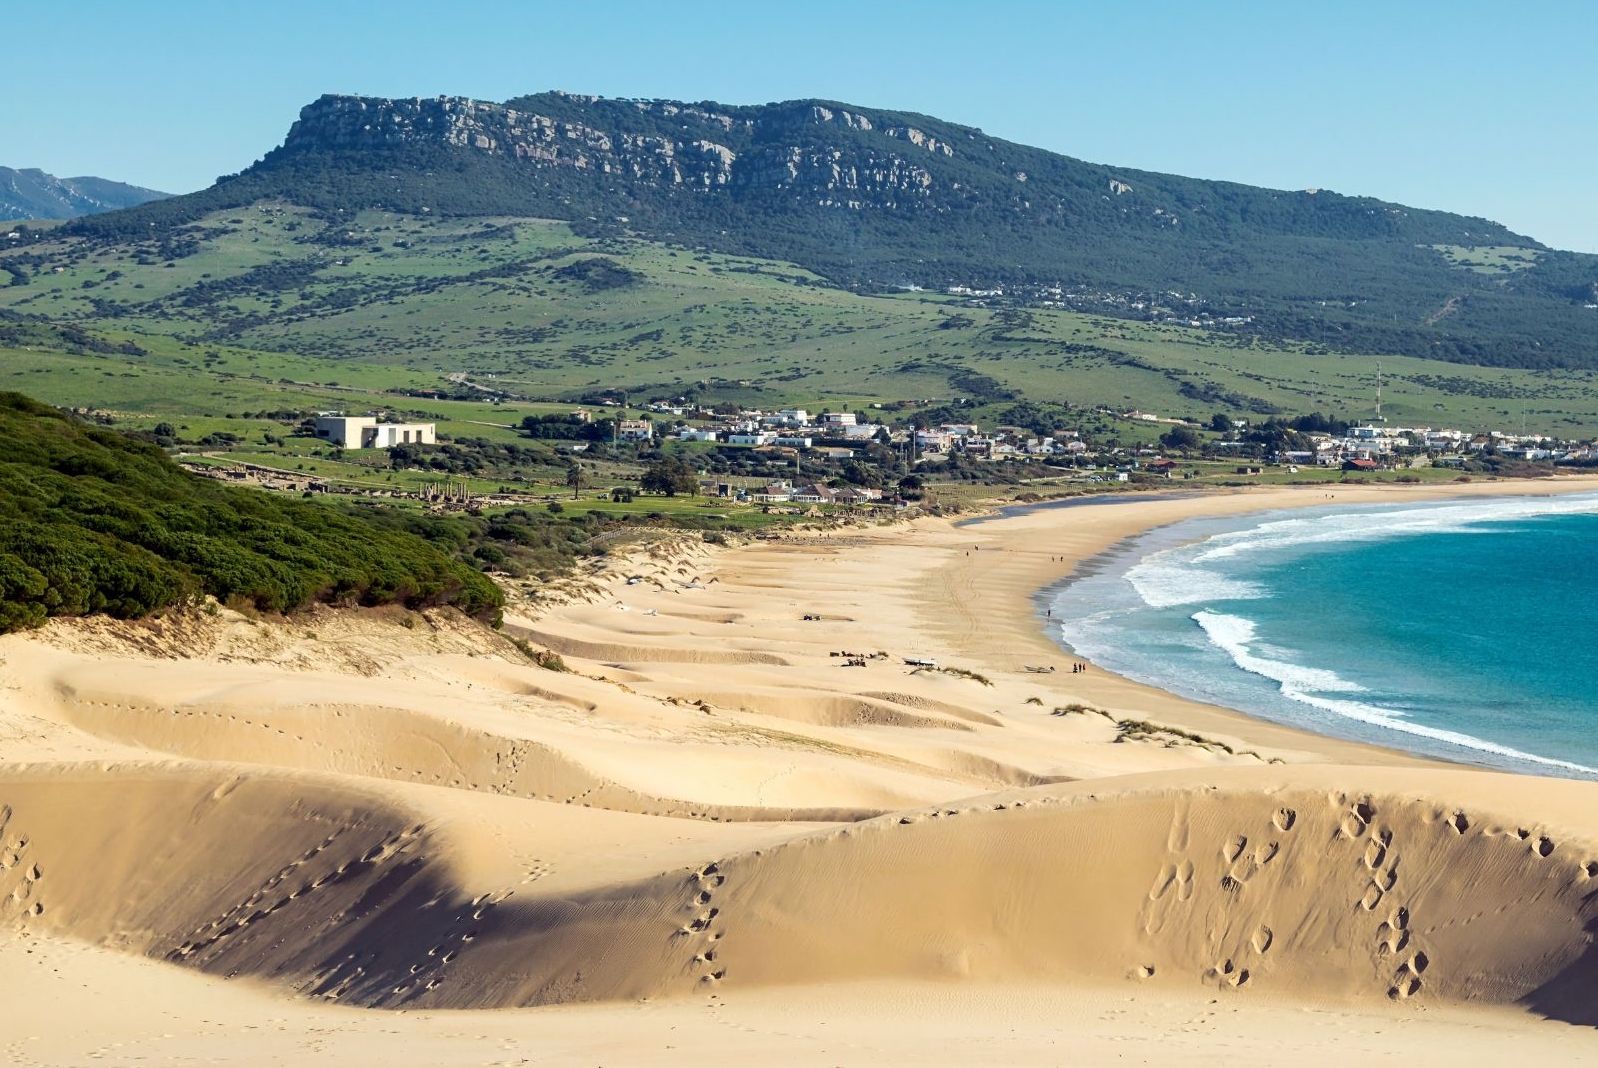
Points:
[(385, 301)]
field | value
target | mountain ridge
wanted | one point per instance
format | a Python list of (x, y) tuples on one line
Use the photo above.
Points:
[(30, 193), (872, 198)]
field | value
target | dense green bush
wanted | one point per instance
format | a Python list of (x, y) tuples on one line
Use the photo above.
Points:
[(92, 521)]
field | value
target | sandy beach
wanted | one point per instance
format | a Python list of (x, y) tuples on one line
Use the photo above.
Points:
[(741, 825)]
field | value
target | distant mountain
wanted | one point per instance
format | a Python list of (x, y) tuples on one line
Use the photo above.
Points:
[(30, 193), (877, 199)]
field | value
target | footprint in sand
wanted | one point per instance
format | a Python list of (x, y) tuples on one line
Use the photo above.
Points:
[(1177, 838), (1234, 848), (1262, 939), (1228, 973), (1184, 880), (1284, 819), (1387, 879), (1406, 979), (1164, 879)]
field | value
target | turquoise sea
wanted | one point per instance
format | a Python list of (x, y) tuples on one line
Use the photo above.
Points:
[(1463, 629)]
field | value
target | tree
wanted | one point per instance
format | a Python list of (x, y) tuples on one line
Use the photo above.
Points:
[(859, 474), (575, 477), (1180, 437), (622, 495), (1221, 423), (669, 477)]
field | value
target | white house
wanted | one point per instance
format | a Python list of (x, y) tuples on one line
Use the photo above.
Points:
[(365, 432), (692, 433), (747, 437), (635, 430)]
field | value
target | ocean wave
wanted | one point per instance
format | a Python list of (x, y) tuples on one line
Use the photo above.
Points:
[(1465, 517), (1308, 686), (1164, 580)]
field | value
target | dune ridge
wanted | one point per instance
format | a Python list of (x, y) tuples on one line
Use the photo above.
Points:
[(721, 800)]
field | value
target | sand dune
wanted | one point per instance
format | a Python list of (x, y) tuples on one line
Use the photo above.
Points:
[(1230, 879), (713, 812)]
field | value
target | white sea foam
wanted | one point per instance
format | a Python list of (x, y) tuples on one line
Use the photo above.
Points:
[(1464, 517), (1164, 579), (1308, 686), (1191, 574)]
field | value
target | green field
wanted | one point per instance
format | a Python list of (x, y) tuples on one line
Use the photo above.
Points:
[(271, 307)]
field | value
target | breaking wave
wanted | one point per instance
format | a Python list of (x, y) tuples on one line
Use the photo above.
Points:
[(1235, 636)]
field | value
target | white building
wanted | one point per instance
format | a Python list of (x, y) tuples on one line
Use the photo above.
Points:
[(365, 432), (836, 419), (636, 430), (861, 432), (751, 437)]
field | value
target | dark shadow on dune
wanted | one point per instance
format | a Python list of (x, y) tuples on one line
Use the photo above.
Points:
[(1572, 994)]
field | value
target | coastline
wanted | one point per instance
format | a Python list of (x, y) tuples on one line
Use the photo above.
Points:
[(1008, 627), (737, 792)]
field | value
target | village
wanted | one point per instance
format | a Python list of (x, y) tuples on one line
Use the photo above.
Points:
[(793, 459)]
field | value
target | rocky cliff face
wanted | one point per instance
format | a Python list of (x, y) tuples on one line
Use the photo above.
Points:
[(782, 147), (875, 198)]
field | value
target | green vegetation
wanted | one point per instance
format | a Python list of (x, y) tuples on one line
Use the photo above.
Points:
[(96, 522), (385, 308), (875, 199)]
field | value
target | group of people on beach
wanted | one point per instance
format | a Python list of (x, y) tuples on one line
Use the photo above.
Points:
[(1078, 668)]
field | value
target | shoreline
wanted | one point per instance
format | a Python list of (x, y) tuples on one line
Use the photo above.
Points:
[(737, 792), (1110, 525)]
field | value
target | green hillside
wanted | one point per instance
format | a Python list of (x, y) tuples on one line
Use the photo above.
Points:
[(874, 199), (278, 307), (96, 522)]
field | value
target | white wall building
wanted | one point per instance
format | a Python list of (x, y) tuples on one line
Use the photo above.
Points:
[(758, 437), (636, 430), (365, 432)]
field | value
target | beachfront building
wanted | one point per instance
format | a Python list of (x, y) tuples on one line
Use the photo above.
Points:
[(365, 432), (773, 493)]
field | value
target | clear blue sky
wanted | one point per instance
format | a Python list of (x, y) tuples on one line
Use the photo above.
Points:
[(1478, 107)]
